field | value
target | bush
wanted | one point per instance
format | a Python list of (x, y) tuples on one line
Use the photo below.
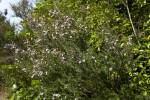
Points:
[(70, 53)]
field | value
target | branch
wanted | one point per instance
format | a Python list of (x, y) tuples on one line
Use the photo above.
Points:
[(126, 5)]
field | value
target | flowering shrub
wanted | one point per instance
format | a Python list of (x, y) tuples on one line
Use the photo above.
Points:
[(73, 54)]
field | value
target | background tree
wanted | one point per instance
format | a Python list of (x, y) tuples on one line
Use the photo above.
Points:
[(22, 9), (6, 54)]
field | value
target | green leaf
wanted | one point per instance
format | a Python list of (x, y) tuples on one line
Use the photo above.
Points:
[(117, 19), (140, 82), (122, 44), (148, 62), (145, 93)]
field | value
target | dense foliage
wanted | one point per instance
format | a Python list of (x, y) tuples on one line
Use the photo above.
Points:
[(6, 55), (82, 50)]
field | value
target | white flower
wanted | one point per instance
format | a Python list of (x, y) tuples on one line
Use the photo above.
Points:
[(72, 31), (62, 34), (45, 32), (39, 25), (47, 49), (70, 36), (83, 60), (41, 93), (16, 51), (93, 57), (24, 69), (32, 75), (54, 37), (110, 69), (79, 62), (40, 73), (57, 95), (106, 39), (14, 86), (66, 86), (107, 33)]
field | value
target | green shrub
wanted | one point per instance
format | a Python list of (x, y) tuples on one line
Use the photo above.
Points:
[(86, 50)]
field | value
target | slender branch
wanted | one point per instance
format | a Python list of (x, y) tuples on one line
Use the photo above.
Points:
[(126, 5), (123, 3)]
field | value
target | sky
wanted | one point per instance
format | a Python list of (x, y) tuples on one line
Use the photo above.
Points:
[(5, 4)]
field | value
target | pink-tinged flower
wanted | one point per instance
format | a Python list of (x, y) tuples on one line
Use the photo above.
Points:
[(16, 51), (24, 69), (106, 39), (39, 39), (61, 35), (32, 75), (110, 69), (72, 19), (16, 60), (56, 27), (22, 51), (57, 95), (13, 46), (80, 26), (37, 61), (45, 32), (87, 7), (40, 73), (41, 93), (53, 52), (54, 12), (130, 39), (47, 50), (39, 25), (63, 58), (93, 57), (50, 12), (72, 31), (69, 24)]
